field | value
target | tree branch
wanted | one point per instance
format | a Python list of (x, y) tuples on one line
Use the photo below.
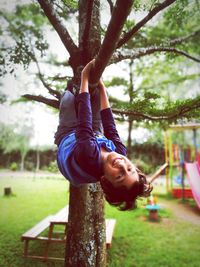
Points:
[(88, 25), (86, 33), (178, 80), (119, 15), (111, 5), (141, 52), (51, 91), (180, 40), (59, 78), (176, 115), (141, 23), (47, 101), (65, 37)]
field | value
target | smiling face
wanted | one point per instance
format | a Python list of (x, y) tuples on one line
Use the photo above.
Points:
[(119, 170)]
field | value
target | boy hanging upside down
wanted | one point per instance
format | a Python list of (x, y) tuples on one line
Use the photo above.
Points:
[(88, 155)]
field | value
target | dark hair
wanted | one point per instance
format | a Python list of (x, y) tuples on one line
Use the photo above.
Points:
[(125, 198)]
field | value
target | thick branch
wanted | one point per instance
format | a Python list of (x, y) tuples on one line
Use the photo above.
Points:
[(47, 101), (86, 33), (65, 37), (141, 52), (119, 15), (141, 23)]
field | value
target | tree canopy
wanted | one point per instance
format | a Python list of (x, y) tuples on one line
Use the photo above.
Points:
[(163, 47)]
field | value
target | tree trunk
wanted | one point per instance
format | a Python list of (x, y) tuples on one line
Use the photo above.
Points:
[(129, 141), (7, 191), (86, 224), (86, 228), (23, 155), (37, 160), (130, 121)]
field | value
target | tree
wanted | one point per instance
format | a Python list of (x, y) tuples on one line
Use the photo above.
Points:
[(173, 86), (85, 245), (12, 140)]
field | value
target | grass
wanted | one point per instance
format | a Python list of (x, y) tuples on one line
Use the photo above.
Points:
[(136, 242)]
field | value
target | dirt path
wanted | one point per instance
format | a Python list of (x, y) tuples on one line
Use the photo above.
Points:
[(183, 211)]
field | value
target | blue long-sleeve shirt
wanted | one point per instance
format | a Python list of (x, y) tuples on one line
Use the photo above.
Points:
[(79, 153)]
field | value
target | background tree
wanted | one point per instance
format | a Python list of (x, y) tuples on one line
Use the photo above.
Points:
[(13, 139), (174, 33)]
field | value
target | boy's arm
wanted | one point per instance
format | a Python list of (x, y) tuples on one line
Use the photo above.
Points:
[(108, 122), (103, 95), (86, 152), (84, 128)]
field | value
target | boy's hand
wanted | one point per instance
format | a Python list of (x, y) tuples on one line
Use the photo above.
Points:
[(85, 76)]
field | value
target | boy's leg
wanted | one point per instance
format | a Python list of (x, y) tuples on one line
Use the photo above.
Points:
[(67, 116), (96, 117)]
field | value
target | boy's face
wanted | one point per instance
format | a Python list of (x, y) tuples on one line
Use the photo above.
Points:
[(119, 170)]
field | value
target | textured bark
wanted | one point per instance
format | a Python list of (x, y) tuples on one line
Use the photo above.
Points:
[(86, 228)]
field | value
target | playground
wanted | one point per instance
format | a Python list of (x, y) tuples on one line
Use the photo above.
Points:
[(164, 229), (172, 241), (87, 178), (183, 157)]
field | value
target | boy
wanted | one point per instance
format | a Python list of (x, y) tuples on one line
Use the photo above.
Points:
[(85, 155)]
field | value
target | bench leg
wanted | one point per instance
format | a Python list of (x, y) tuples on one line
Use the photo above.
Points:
[(26, 248), (48, 241)]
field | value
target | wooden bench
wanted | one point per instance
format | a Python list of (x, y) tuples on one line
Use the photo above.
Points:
[(60, 218)]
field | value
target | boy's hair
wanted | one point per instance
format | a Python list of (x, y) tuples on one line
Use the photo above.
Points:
[(125, 198)]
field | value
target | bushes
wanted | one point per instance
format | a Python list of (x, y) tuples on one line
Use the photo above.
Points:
[(53, 168), (7, 159), (148, 156), (143, 166), (14, 166)]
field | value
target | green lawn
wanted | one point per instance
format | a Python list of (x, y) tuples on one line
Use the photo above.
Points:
[(137, 242)]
